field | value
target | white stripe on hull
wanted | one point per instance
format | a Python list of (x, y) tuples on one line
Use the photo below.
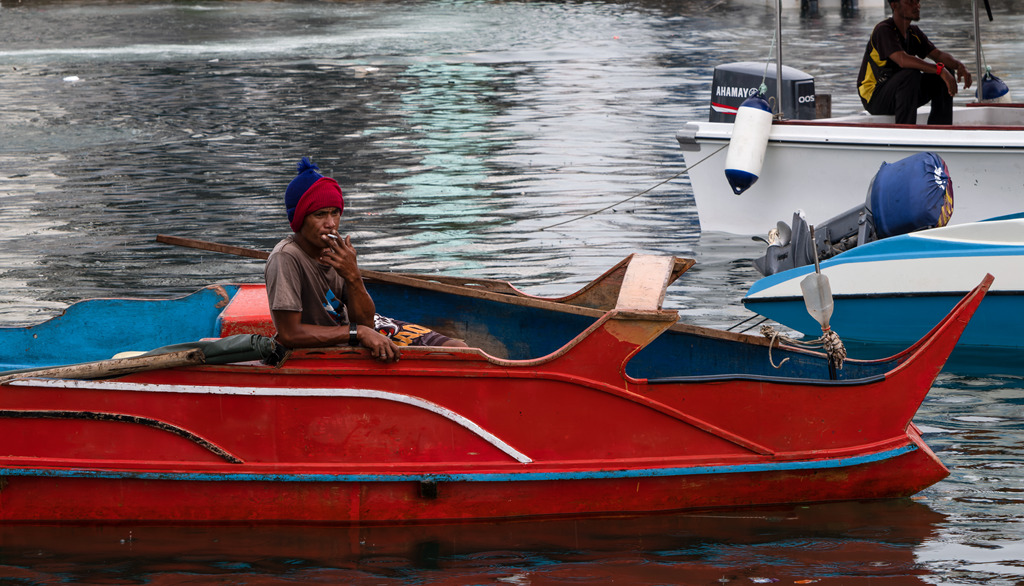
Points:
[(911, 275), (280, 392)]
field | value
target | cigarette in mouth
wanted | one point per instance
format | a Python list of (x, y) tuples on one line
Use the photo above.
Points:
[(332, 236)]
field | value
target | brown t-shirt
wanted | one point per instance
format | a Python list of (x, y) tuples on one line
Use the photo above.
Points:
[(297, 282)]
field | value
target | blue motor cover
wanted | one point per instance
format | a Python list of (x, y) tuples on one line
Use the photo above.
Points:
[(911, 194)]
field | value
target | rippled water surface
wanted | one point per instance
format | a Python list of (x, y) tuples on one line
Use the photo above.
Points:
[(527, 141)]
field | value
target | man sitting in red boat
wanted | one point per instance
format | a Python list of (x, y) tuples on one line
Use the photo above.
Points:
[(316, 291), (894, 77)]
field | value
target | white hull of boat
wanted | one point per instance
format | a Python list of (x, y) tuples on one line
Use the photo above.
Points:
[(824, 167)]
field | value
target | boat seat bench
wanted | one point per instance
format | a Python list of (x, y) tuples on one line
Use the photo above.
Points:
[(248, 312)]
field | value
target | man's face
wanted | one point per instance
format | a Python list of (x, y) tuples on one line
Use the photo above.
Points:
[(320, 223), (907, 9)]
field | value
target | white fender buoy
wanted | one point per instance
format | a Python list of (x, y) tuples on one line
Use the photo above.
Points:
[(748, 143)]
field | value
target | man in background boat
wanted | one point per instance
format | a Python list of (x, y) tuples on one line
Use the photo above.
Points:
[(316, 291), (894, 77)]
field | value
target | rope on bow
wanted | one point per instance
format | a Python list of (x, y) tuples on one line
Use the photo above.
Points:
[(829, 342)]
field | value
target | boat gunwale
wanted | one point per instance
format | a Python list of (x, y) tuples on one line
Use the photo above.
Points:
[(833, 122)]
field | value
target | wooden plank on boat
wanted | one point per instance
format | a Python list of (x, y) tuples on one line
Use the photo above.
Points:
[(643, 287), (212, 246), (113, 367)]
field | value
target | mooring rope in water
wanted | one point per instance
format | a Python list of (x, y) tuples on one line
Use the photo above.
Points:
[(829, 341), (750, 327), (763, 88), (767, 62), (634, 196)]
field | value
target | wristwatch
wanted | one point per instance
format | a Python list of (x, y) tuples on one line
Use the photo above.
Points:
[(938, 68), (353, 334)]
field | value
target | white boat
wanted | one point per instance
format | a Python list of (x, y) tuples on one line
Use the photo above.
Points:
[(825, 166), (887, 292)]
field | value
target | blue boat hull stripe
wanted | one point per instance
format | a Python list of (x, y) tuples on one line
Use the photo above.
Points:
[(810, 465)]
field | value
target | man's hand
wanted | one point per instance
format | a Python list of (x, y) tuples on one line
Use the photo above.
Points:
[(947, 76), (341, 255), (962, 74), (381, 347)]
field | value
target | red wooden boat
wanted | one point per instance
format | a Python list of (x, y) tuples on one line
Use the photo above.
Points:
[(329, 435)]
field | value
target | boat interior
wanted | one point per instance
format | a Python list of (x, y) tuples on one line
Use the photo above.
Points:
[(505, 326), (975, 114)]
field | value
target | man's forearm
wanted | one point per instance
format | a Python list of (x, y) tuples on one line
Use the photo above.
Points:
[(359, 304)]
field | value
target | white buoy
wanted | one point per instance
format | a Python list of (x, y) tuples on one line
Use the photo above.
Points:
[(748, 143)]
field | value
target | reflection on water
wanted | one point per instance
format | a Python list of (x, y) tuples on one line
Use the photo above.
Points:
[(448, 198), (474, 138), (839, 543), (976, 426)]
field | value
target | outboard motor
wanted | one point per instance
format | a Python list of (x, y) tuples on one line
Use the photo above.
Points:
[(789, 248), (911, 194), (733, 83)]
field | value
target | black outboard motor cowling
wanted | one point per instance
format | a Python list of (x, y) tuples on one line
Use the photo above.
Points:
[(734, 82)]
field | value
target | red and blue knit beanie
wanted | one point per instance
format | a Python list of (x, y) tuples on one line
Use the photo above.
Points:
[(308, 192)]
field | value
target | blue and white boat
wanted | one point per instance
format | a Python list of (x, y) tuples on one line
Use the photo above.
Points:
[(887, 292)]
